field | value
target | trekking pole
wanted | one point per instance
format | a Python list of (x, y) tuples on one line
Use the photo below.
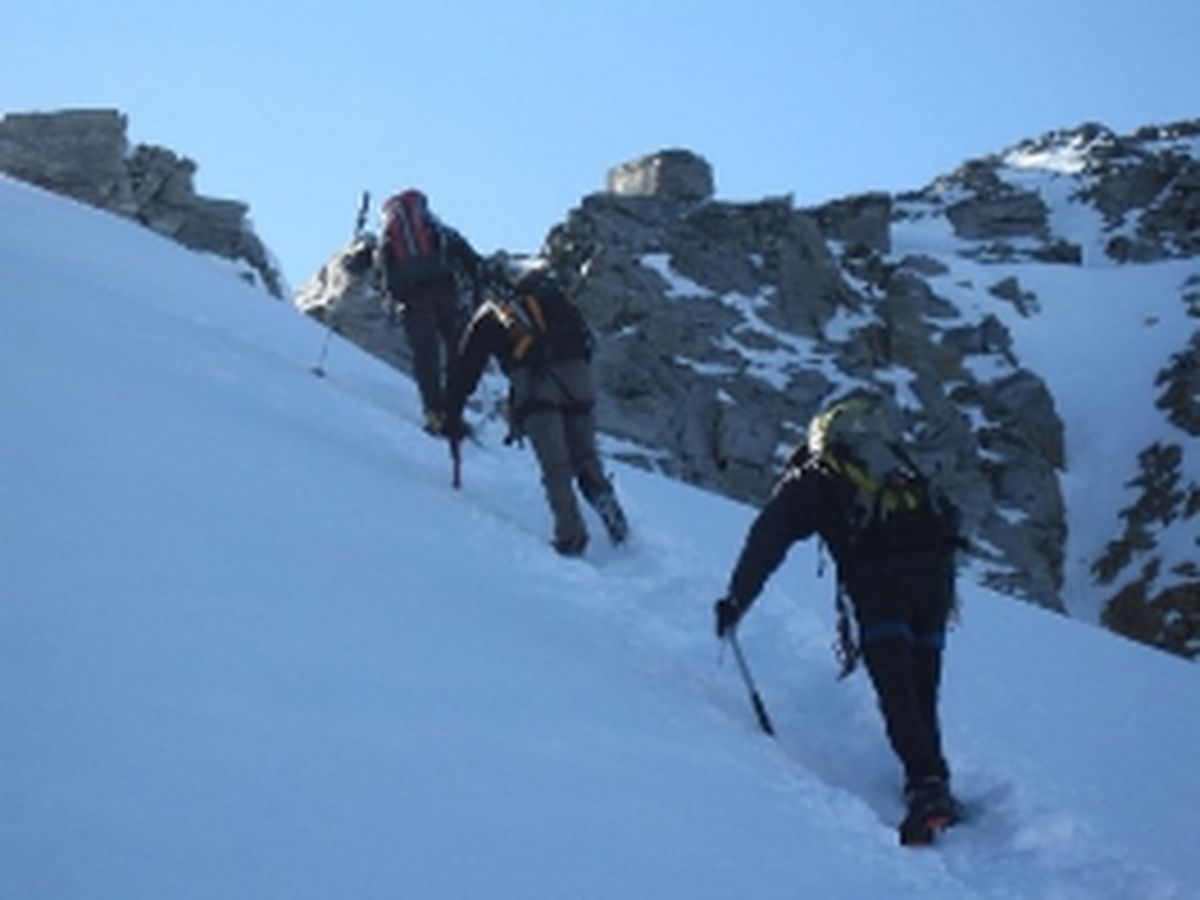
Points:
[(319, 368), (760, 709), (360, 222)]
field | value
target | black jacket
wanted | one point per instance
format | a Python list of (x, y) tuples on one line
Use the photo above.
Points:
[(487, 335), (806, 501), (811, 500), (403, 278)]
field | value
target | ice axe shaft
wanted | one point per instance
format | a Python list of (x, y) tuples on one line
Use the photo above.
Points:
[(760, 708), (456, 463), (319, 368)]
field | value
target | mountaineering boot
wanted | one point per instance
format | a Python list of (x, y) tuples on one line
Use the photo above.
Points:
[(931, 809), (610, 512), (571, 546)]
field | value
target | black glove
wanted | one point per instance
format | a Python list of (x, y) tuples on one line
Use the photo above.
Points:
[(360, 259), (728, 611)]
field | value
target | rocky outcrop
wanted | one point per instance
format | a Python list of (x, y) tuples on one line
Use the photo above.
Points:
[(345, 294), (992, 208), (84, 154), (1146, 182), (1156, 604), (1143, 190), (724, 326), (1158, 600), (80, 153), (861, 224), (1180, 383), (670, 174)]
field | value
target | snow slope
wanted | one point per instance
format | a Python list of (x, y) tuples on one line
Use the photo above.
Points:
[(253, 644)]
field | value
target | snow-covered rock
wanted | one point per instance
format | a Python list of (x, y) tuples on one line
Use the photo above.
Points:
[(84, 153)]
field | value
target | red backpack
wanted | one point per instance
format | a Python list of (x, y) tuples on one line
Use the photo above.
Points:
[(411, 242)]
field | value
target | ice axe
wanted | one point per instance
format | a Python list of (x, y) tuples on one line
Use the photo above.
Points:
[(760, 709)]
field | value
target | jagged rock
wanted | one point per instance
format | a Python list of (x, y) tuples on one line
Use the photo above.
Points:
[(1191, 296), (1059, 251), (1148, 184), (1175, 218), (80, 153), (1003, 213), (1187, 128), (1163, 497), (861, 223), (1154, 604), (724, 326), (1122, 187), (721, 325), (989, 336), (345, 294), (667, 174), (905, 328), (1009, 289), (1180, 380), (1125, 249), (982, 206), (84, 154), (668, 289), (1166, 614), (926, 266), (1170, 620), (160, 178), (1023, 407), (689, 300)]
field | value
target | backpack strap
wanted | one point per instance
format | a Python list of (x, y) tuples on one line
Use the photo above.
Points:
[(887, 496), (412, 230), (846, 647), (855, 474), (523, 319)]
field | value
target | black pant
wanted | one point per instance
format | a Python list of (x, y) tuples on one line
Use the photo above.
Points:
[(902, 624), (433, 322)]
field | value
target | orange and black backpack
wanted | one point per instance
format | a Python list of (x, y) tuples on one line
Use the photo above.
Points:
[(541, 321)]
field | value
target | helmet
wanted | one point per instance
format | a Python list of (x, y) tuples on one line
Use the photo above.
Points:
[(857, 428)]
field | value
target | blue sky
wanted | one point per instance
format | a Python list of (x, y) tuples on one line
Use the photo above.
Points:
[(507, 114)]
